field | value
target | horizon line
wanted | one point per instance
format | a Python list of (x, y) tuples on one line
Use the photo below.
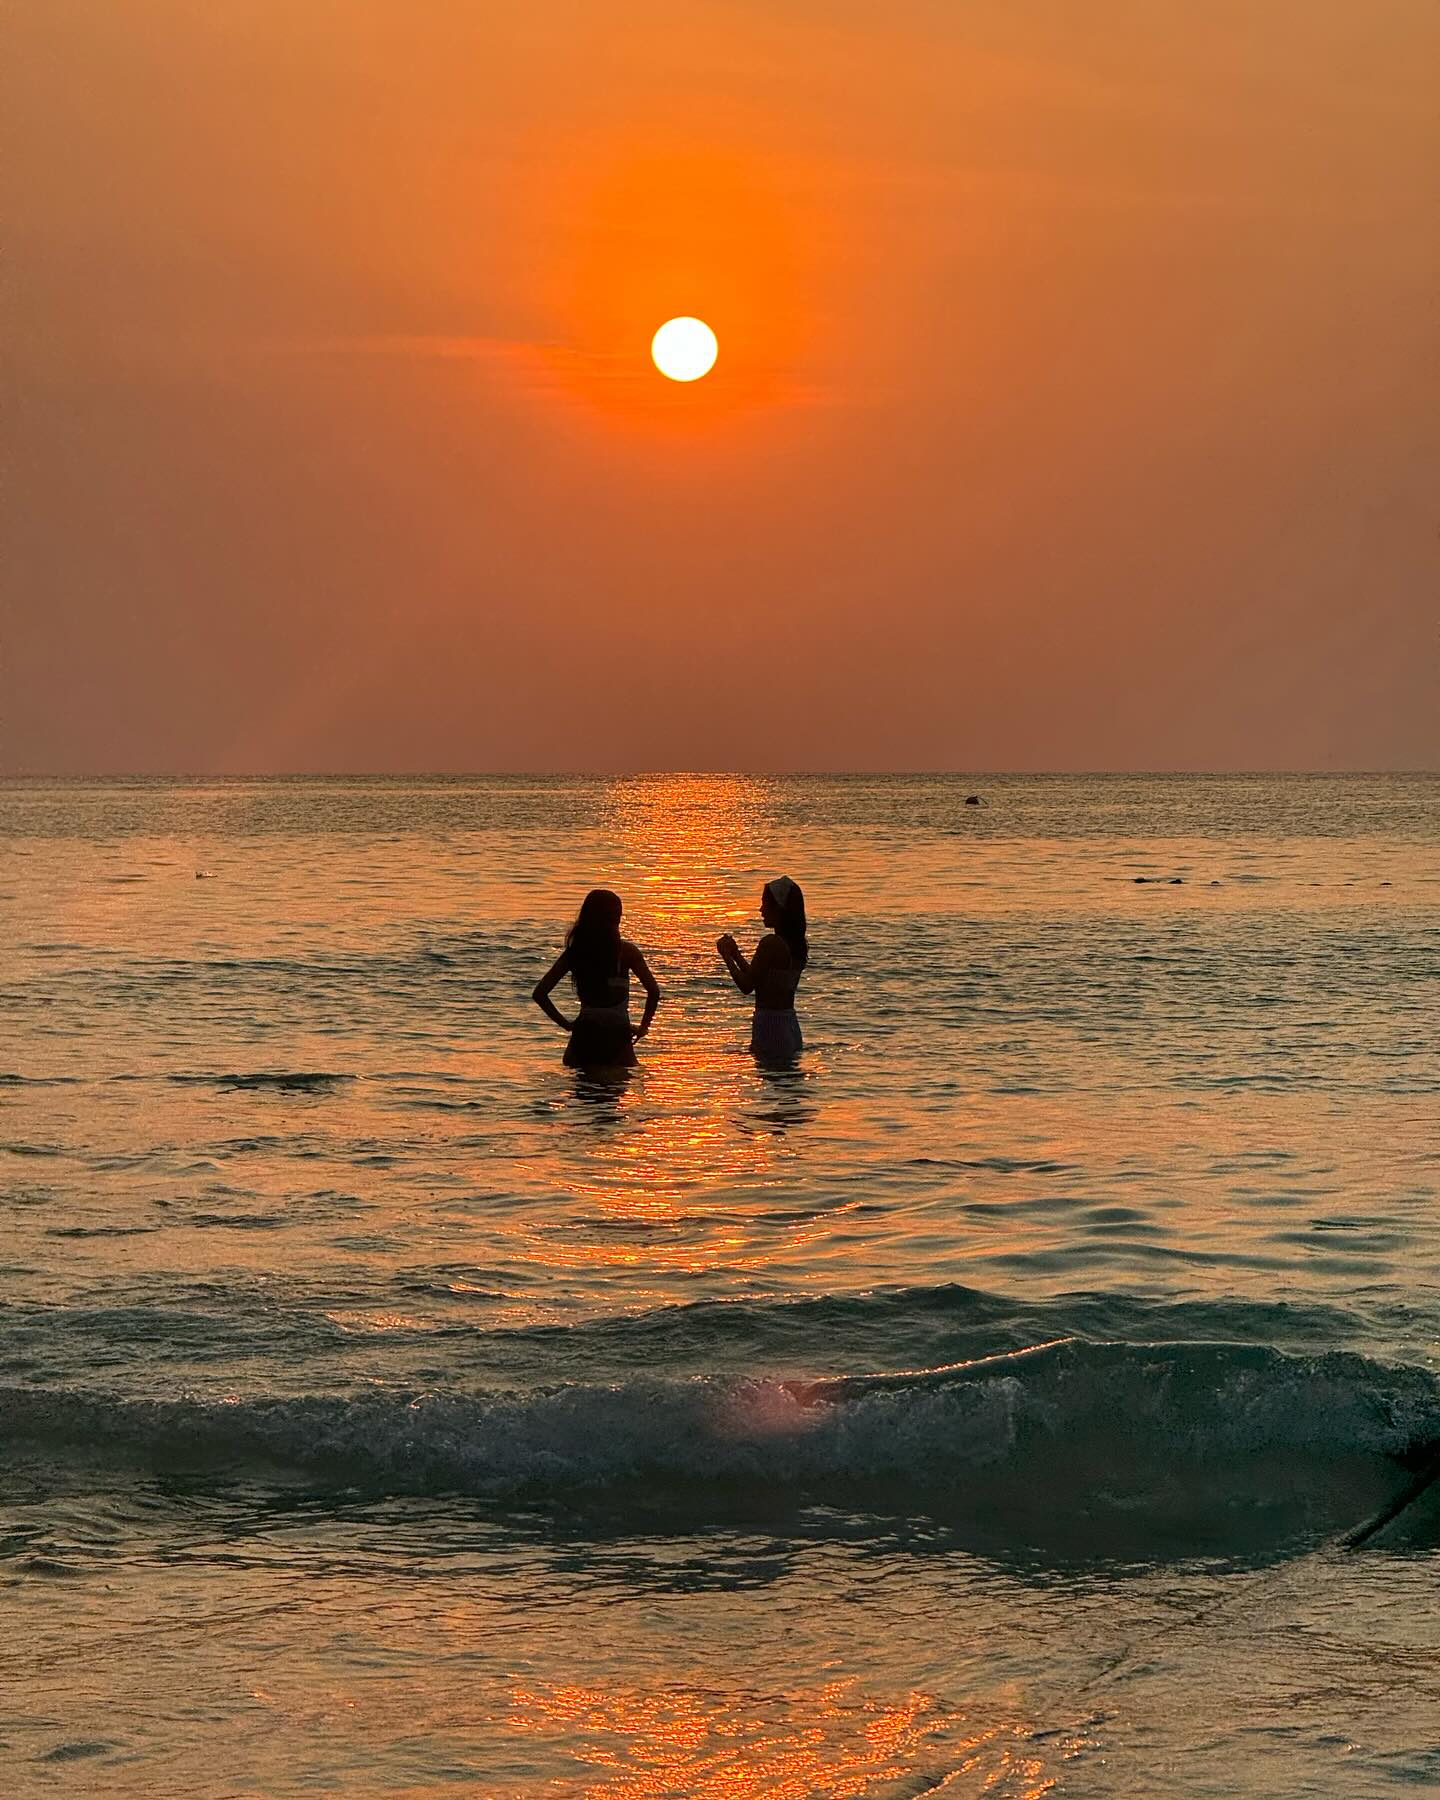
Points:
[(17, 776)]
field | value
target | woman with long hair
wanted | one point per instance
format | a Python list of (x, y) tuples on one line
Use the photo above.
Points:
[(600, 963), (773, 973)]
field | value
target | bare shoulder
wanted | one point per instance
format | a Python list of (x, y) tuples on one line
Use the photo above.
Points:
[(772, 952), (630, 954)]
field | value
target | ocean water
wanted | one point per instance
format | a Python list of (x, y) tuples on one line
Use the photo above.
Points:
[(978, 1408)]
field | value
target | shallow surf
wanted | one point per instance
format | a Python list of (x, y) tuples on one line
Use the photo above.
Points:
[(981, 1405)]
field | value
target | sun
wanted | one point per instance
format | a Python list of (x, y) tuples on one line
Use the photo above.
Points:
[(684, 349)]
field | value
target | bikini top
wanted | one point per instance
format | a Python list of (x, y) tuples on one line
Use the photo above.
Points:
[(777, 986), (609, 989)]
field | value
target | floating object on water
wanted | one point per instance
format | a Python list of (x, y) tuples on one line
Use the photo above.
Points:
[(1427, 1473), (1423, 1459), (975, 800)]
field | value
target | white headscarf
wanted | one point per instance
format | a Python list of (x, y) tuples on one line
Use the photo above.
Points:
[(780, 890)]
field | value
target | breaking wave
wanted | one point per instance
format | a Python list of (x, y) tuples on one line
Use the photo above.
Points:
[(1065, 1428)]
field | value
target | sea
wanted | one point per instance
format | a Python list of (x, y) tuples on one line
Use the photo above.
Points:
[(1029, 1391)]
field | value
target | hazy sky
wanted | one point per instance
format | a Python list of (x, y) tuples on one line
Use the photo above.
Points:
[(1077, 403)]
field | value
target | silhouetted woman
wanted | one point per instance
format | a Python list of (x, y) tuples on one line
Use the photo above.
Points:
[(773, 972), (600, 963)]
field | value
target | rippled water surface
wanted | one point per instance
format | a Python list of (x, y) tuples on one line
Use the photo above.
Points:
[(388, 1410)]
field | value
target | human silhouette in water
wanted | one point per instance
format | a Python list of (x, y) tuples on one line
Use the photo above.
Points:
[(600, 963), (773, 973)]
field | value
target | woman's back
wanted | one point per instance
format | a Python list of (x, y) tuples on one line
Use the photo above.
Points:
[(600, 982)]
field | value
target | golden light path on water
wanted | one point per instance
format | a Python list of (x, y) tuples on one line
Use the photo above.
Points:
[(687, 1144), (833, 1739)]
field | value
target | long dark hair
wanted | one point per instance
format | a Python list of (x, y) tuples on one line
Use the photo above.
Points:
[(593, 941), (790, 918)]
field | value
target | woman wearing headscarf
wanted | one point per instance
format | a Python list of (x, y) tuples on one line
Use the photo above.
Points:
[(773, 973)]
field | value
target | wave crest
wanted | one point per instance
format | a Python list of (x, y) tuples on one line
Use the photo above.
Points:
[(1075, 1418)]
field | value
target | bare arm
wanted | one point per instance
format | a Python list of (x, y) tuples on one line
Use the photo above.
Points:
[(740, 971), (546, 983), (747, 976), (640, 969)]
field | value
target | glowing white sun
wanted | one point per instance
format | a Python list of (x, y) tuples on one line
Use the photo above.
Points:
[(684, 349)]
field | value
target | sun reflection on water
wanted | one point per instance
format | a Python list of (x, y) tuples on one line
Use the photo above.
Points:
[(698, 1117), (677, 833), (831, 1740)]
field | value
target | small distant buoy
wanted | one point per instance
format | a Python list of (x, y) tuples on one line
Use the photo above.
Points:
[(973, 800), (1177, 881)]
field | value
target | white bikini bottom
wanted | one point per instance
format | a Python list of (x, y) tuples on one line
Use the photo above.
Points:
[(618, 1016), (775, 1033), (601, 1039)]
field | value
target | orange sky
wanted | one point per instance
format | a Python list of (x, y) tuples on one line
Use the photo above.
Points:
[(1076, 406)]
